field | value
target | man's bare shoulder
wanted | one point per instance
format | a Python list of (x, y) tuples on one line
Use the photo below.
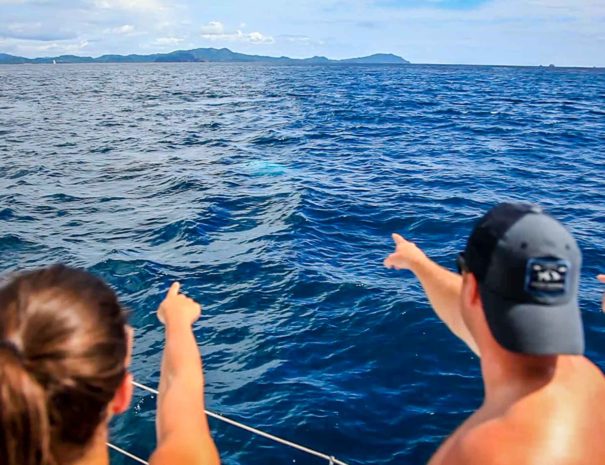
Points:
[(558, 424), (496, 443), (481, 440), (484, 444)]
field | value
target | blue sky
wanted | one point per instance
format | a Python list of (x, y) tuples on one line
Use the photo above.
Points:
[(522, 32)]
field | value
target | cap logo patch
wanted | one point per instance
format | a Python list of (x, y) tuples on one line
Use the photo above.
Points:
[(547, 276)]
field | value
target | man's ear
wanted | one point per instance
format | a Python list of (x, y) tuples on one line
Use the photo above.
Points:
[(123, 396), (470, 291), (130, 343)]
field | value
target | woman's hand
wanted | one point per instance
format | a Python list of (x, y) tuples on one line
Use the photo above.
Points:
[(178, 307)]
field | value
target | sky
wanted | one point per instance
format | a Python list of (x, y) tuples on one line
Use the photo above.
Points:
[(500, 32)]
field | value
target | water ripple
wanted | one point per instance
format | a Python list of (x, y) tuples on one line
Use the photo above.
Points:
[(270, 192)]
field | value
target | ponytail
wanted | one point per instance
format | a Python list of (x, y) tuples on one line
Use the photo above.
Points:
[(24, 422)]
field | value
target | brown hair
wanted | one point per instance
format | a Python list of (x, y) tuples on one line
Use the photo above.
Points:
[(63, 346)]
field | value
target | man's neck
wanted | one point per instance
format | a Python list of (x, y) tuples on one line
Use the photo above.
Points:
[(508, 376)]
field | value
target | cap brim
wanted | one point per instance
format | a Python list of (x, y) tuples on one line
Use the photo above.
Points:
[(534, 329)]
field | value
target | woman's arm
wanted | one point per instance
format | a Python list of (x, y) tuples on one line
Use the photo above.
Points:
[(442, 287), (182, 426)]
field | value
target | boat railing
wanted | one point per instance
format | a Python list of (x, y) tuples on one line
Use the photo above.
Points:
[(328, 458)]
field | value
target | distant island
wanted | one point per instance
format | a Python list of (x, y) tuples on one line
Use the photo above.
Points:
[(200, 55)]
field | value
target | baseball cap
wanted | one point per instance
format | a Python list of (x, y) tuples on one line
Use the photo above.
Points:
[(527, 266)]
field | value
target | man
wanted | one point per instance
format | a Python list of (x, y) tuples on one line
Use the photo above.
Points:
[(601, 278), (516, 307)]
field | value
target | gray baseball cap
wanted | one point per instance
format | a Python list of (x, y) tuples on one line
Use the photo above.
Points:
[(528, 267)]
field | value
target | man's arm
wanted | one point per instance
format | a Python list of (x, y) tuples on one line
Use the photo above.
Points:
[(442, 287), (601, 278), (182, 426)]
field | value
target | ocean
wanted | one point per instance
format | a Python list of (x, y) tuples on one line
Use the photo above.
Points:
[(271, 192)]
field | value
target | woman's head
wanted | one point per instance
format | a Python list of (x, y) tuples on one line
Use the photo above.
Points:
[(63, 354)]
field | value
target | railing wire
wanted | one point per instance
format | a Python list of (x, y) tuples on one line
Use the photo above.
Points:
[(330, 459), (127, 454)]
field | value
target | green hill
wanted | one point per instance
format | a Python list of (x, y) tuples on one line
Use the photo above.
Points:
[(223, 55)]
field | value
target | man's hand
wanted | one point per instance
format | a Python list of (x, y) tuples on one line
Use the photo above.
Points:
[(406, 255), (178, 307), (601, 278)]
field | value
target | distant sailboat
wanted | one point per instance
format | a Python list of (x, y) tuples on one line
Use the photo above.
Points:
[(54, 62)]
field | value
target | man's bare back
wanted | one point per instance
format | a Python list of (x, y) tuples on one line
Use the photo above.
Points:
[(557, 423), (514, 303)]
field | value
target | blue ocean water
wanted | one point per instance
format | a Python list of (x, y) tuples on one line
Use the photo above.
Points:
[(271, 192)]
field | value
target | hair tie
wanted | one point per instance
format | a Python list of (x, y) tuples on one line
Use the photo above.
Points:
[(11, 347)]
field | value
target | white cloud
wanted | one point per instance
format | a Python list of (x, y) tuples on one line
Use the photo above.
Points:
[(27, 28), (213, 28), (125, 30), (135, 5), (215, 31), (35, 48), (493, 11), (36, 31), (163, 41), (239, 36), (257, 38), (300, 39)]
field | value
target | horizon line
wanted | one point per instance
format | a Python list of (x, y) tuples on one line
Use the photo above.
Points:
[(558, 67)]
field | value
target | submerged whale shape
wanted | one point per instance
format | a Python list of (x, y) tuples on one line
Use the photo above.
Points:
[(265, 168)]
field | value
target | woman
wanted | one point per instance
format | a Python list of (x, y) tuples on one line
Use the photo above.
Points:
[(64, 354)]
